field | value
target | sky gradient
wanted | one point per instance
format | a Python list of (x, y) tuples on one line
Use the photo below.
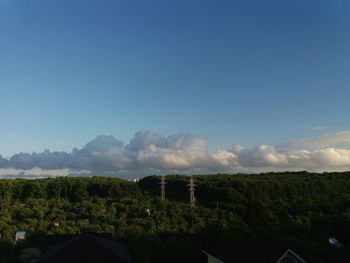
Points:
[(230, 72)]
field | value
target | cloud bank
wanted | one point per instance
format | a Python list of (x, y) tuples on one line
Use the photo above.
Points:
[(152, 153)]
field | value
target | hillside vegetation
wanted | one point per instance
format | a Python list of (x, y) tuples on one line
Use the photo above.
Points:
[(295, 210)]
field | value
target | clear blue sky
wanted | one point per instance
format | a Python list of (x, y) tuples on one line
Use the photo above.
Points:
[(245, 72)]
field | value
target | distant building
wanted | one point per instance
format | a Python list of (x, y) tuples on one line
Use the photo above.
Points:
[(251, 251), (85, 248), (20, 235), (57, 222), (122, 215)]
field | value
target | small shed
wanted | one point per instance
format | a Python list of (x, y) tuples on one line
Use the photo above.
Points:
[(20, 235)]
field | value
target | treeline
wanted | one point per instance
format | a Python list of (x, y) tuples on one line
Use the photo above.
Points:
[(71, 188)]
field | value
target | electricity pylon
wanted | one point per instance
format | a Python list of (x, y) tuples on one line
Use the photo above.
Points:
[(191, 189), (162, 184)]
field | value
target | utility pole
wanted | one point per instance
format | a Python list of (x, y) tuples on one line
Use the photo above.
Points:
[(191, 189), (162, 184)]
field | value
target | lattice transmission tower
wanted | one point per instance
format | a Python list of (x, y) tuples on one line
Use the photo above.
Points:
[(162, 184), (191, 189)]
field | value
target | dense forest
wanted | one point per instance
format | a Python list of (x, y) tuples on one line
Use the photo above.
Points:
[(296, 210)]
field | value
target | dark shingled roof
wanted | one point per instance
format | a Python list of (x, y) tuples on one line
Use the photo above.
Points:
[(84, 248), (246, 251)]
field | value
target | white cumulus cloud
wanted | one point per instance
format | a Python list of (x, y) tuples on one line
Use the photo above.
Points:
[(152, 153)]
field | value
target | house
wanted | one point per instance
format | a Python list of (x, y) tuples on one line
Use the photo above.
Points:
[(251, 251), (122, 215), (290, 256), (20, 235), (57, 222), (85, 248)]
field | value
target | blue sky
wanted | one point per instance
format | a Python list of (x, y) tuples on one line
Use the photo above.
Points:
[(247, 72)]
